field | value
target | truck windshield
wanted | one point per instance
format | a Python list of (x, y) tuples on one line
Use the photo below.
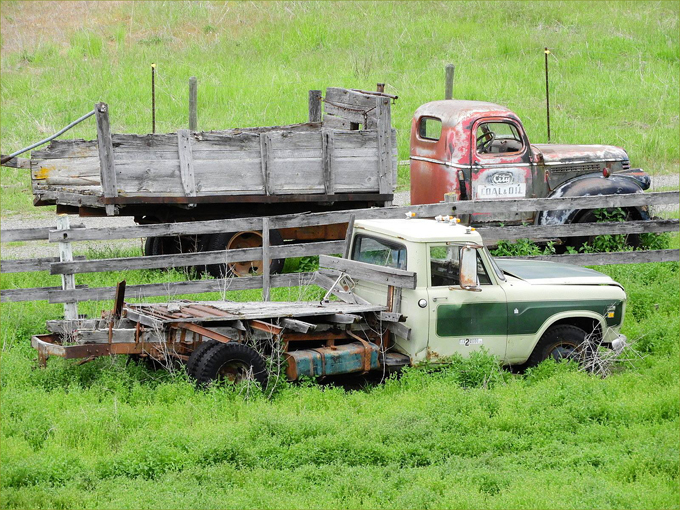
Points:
[(496, 269), (379, 252)]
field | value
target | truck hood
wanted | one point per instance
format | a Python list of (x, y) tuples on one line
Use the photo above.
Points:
[(571, 154), (541, 272)]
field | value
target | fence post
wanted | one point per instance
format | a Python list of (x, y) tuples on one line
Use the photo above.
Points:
[(107, 167), (68, 281), (385, 178), (314, 106), (266, 260), (448, 92), (193, 99)]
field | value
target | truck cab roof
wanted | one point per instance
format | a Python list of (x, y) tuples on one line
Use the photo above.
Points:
[(420, 230), (454, 111)]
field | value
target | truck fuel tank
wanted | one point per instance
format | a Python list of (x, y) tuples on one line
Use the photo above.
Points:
[(341, 359)]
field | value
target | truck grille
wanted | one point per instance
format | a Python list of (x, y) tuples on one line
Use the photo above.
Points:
[(588, 167), (626, 164)]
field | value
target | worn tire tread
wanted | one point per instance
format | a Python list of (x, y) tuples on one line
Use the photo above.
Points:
[(197, 355), (220, 353)]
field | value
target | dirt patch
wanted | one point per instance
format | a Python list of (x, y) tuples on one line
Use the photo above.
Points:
[(25, 25)]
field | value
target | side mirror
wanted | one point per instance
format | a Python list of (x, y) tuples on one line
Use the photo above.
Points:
[(468, 269)]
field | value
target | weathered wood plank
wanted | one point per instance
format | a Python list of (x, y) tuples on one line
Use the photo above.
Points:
[(266, 260), (350, 97), (565, 203), (327, 160), (297, 325), (371, 272), (348, 236), (30, 234), (313, 219), (384, 145), (492, 235), (35, 294), (265, 161), (365, 116), (173, 289), (77, 148), (599, 259), (105, 146), (260, 310), (186, 163), (193, 102), (67, 197), (314, 106), (27, 265), (335, 122), (199, 258)]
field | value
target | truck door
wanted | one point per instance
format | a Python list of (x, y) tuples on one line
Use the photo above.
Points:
[(501, 165), (462, 321)]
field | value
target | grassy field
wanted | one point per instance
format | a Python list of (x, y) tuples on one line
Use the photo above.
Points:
[(113, 435)]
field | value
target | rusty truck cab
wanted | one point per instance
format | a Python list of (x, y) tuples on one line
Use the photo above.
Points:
[(472, 149)]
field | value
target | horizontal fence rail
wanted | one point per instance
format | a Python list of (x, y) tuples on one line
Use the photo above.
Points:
[(69, 266), (329, 218)]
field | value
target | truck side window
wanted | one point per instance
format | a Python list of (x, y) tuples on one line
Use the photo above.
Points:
[(379, 252), (430, 128), (498, 138), (445, 264)]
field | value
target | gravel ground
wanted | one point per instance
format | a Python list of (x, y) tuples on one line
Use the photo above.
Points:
[(35, 249)]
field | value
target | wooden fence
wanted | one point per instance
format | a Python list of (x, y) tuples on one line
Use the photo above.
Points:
[(67, 266)]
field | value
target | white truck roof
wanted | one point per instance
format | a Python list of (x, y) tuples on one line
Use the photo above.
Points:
[(420, 230)]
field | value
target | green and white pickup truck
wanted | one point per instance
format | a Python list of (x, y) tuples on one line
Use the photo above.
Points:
[(464, 300), (411, 290)]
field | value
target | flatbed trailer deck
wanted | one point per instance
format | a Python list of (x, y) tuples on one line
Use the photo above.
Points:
[(313, 338)]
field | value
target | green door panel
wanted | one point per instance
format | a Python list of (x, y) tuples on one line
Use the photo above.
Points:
[(472, 319)]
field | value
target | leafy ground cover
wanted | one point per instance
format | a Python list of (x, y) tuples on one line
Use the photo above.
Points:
[(109, 434)]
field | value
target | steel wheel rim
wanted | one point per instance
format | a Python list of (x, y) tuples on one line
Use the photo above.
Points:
[(246, 239), (563, 351), (233, 372)]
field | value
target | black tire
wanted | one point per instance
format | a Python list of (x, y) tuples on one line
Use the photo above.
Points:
[(197, 355), (149, 246), (558, 342), (218, 242), (232, 362), (589, 216)]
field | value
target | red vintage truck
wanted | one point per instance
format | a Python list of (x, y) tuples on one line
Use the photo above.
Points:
[(478, 150)]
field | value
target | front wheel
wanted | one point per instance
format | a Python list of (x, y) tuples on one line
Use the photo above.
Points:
[(558, 342), (599, 215)]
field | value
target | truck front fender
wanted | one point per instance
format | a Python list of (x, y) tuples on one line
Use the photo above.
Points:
[(520, 351), (587, 185)]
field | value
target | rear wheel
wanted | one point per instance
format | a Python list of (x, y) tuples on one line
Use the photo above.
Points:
[(558, 342), (245, 239), (231, 362)]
